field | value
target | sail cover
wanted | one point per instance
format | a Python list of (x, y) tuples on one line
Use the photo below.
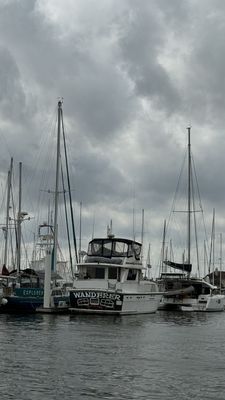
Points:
[(182, 267)]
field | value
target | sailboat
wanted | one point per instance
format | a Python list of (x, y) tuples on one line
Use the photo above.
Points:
[(30, 291), (182, 291)]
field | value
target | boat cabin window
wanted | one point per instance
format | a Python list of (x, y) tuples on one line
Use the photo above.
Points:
[(107, 248), (112, 273), (205, 290), (120, 249), (95, 248), (99, 273), (95, 273), (132, 273)]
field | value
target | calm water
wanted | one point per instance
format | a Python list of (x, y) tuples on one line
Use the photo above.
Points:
[(160, 356)]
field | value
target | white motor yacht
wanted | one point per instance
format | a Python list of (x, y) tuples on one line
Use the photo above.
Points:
[(110, 280)]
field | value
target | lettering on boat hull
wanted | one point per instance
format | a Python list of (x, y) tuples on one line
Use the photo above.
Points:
[(98, 300)]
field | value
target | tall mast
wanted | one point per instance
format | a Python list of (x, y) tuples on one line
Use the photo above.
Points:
[(7, 212), (163, 248), (142, 231), (221, 260), (69, 191), (212, 243), (148, 263), (80, 232), (189, 198), (19, 219), (57, 188)]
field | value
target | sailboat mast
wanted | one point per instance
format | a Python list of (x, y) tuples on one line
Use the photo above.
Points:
[(163, 248), (19, 219), (57, 188), (221, 262), (189, 198), (79, 255), (7, 212), (142, 232)]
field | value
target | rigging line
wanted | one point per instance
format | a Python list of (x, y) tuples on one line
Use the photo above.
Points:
[(200, 204), (176, 192), (13, 262), (42, 144), (25, 251), (3, 195), (59, 249), (44, 177), (2, 136), (14, 214), (206, 260), (67, 225), (69, 188), (195, 225), (211, 254)]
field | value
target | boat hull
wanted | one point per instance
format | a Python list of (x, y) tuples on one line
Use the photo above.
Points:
[(109, 302), (204, 303), (28, 300)]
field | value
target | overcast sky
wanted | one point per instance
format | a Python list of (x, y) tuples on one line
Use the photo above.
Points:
[(133, 75)]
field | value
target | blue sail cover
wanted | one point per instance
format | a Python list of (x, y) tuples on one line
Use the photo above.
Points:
[(182, 267)]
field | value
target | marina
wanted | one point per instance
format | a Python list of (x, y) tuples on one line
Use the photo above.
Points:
[(111, 278), (112, 211)]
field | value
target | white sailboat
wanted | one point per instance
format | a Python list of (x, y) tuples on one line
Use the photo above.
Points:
[(50, 294), (181, 290)]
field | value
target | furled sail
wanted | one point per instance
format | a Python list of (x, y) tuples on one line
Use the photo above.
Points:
[(182, 266)]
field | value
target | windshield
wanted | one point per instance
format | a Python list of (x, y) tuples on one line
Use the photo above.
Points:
[(114, 248)]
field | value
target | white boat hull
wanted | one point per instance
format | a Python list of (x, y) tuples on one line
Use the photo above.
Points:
[(109, 302), (205, 303)]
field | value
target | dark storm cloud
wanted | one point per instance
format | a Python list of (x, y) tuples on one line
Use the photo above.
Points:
[(143, 39), (96, 93), (132, 77), (12, 97)]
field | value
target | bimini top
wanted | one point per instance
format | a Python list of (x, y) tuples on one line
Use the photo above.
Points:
[(114, 247)]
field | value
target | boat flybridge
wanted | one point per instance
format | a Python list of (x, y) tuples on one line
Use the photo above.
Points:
[(110, 280)]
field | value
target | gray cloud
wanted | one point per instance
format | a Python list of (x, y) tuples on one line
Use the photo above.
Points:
[(132, 77)]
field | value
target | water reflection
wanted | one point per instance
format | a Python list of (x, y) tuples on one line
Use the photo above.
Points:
[(183, 318), (167, 355)]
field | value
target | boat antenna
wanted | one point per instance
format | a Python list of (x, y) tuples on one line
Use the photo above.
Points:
[(109, 230), (93, 226)]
